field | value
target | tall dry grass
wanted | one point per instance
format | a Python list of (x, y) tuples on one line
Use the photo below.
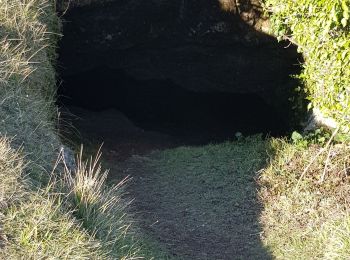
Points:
[(43, 217)]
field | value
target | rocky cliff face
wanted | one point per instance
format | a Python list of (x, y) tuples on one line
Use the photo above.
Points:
[(201, 45)]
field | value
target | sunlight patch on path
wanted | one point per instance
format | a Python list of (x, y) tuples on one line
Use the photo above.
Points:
[(201, 202)]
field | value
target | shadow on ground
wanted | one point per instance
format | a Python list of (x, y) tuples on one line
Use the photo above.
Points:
[(201, 202), (198, 202)]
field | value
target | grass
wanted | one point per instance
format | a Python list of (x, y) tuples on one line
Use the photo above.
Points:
[(207, 193), (303, 189), (146, 245), (46, 212), (100, 207), (27, 80), (33, 223), (306, 216), (214, 166), (38, 228)]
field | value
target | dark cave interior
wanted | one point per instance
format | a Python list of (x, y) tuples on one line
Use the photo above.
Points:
[(161, 105), (169, 81)]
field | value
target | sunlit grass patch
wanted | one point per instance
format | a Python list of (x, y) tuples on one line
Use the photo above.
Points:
[(203, 193), (100, 207), (11, 169), (38, 228), (304, 192), (28, 35), (33, 224), (38, 218)]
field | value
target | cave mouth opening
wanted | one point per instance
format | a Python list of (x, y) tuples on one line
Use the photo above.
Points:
[(164, 107), (131, 67)]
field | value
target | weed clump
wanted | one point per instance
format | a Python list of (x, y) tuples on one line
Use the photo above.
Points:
[(99, 207)]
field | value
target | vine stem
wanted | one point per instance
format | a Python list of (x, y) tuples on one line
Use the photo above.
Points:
[(326, 165), (315, 157)]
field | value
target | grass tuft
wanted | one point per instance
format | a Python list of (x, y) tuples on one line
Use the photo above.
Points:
[(33, 224), (99, 207)]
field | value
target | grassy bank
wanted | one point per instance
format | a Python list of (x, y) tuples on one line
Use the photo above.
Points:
[(305, 189), (305, 193), (47, 212)]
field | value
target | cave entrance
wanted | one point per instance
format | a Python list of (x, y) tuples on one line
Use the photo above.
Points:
[(163, 76), (162, 106), (142, 76)]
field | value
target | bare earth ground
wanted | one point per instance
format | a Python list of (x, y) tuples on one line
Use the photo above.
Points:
[(199, 202)]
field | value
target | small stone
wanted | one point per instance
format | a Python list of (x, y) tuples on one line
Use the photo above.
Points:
[(109, 37), (68, 158)]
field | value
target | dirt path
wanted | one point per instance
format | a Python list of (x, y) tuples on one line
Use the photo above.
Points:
[(198, 202)]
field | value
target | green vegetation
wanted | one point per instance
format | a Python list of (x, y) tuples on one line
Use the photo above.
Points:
[(27, 80), (305, 188), (208, 193), (68, 215), (208, 174), (100, 208), (321, 29), (304, 191)]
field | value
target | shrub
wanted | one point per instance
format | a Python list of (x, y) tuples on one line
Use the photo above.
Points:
[(321, 30)]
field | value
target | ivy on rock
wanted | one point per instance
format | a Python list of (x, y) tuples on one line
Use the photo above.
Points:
[(321, 29)]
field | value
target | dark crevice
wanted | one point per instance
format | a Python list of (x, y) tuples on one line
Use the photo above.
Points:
[(202, 75), (161, 105)]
